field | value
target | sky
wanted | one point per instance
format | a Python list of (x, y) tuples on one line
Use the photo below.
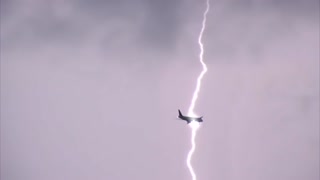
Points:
[(91, 89)]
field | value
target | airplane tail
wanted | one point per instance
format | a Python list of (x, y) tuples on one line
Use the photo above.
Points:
[(180, 114)]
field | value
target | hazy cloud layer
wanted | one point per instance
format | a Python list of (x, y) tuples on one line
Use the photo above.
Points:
[(90, 90)]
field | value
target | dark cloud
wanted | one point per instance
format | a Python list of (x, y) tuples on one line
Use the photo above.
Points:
[(157, 22), (162, 23)]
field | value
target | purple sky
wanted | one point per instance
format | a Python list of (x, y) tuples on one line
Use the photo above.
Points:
[(90, 89)]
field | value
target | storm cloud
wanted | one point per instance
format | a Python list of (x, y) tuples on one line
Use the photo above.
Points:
[(90, 89)]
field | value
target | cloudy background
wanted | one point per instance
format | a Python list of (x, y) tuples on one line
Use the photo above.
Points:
[(90, 89)]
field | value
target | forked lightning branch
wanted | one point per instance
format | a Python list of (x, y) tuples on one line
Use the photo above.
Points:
[(192, 120)]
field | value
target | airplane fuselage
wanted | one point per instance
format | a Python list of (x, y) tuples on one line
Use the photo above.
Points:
[(189, 119)]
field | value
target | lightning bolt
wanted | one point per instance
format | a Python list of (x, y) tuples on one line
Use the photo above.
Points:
[(195, 125), (194, 128), (204, 66)]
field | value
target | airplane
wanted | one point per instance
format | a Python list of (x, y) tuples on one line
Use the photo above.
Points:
[(189, 119)]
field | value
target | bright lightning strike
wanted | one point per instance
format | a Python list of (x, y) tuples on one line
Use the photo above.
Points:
[(204, 66), (194, 124), (194, 127)]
